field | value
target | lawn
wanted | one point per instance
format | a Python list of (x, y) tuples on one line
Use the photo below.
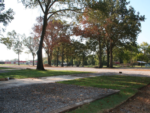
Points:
[(127, 85), (36, 73), (5, 68)]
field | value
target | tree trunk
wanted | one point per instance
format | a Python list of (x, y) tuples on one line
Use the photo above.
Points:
[(33, 60), (83, 61), (67, 60), (18, 59), (72, 61), (57, 58), (62, 59), (107, 55), (49, 57), (100, 54), (111, 56), (50, 63), (39, 53)]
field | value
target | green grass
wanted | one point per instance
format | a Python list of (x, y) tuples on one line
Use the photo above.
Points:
[(7, 64), (127, 85), (5, 68), (36, 73)]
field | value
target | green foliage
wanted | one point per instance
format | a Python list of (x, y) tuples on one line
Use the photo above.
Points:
[(6, 16), (111, 23), (142, 57), (7, 41), (32, 45), (144, 47), (91, 60)]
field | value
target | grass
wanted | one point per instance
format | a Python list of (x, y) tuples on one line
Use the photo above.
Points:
[(5, 68), (127, 85), (36, 73)]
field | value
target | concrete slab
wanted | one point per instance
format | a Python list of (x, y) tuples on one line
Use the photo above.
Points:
[(53, 79), (30, 81)]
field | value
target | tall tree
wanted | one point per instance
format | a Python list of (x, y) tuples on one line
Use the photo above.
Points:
[(144, 47), (17, 42), (95, 33), (53, 34), (120, 24), (49, 9), (32, 45)]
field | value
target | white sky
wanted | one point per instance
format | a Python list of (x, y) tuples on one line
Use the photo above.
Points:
[(24, 20)]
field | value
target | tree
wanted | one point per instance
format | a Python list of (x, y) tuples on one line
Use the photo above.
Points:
[(90, 60), (120, 24), (18, 49), (148, 52), (32, 45), (5, 18), (56, 30), (142, 57), (144, 47), (62, 43), (16, 42), (51, 35), (49, 9)]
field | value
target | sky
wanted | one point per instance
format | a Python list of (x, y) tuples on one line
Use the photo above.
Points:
[(24, 20)]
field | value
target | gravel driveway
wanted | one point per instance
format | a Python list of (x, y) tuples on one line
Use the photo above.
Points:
[(44, 98)]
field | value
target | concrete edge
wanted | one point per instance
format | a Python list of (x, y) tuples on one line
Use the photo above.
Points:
[(76, 105)]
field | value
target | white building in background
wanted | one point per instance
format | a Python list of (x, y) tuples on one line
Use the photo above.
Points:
[(15, 62), (21, 62)]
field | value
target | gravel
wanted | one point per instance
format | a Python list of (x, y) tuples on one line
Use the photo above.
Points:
[(44, 98)]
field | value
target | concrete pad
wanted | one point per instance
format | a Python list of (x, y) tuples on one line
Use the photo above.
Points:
[(30, 81), (53, 79)]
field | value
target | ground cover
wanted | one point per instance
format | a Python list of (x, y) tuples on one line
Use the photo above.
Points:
[(127, 85), (29, 73), (5, 68)]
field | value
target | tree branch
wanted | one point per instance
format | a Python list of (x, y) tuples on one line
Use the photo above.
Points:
[(51, 4), (41, 6), (61, 11)]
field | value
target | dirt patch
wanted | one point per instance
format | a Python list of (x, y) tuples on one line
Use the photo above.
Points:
[(140, 103)]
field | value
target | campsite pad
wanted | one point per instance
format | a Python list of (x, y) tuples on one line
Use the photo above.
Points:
[(48, 98)]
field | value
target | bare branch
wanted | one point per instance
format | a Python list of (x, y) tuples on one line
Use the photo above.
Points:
[(41, 6), (52, 4), (52, 13), (64, 10)]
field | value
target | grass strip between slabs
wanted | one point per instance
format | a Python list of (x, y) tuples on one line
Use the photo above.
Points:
[(127, 85)]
